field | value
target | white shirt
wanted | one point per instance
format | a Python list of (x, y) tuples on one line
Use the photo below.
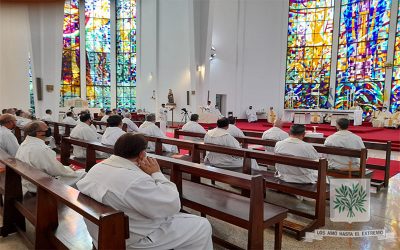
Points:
[(148, 201), (104, 118), (276, 134), (235, 131), (221, 137), (48, 118), (344, 139), (8, 141), (69, 120), (295, 147), (130, 125), (22, 121), (84, 132), (193, 127), (251, 115), (150, 129), (111, 135), (36, 153)]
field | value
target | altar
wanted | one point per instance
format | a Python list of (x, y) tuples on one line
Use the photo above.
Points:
[(303, 116)]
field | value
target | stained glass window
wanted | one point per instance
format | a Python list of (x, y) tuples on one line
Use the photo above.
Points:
[(309, 53), (395, 93), (31, 94), (362, 52), (126, 53), (98, 45), (70, 74)]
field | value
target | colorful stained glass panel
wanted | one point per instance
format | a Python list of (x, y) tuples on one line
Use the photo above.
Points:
[(395, 88), (363, 44), (309, 53)]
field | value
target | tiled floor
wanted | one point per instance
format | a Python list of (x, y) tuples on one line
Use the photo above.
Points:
[(385, 214)]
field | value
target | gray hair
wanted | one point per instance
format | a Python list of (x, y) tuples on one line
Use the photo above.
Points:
[(32, 128), (151, 117), (127, 115)]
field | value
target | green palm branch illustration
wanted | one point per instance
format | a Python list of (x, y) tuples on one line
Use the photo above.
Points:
[(351, 199)]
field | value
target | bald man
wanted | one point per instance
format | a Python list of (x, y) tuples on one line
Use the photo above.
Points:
[(275, 133), (36, 153), (8, 141)]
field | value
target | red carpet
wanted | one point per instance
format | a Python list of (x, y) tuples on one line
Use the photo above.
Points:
[(379, 174)]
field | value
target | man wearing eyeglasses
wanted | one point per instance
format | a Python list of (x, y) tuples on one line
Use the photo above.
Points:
[(8, 141)]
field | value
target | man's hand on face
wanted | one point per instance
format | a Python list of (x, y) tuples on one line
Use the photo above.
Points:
[(149, 165)]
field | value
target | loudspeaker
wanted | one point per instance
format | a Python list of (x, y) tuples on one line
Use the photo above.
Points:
[(39, 88), (187, 98)]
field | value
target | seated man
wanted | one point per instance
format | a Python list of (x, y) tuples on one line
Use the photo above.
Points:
[(220, 136), (83, 131), (113, 131), (275, 133), (104, 118), (295, 146), (232, 129), (36, 153), (345, 139), (379, 117), (48, 116), (102, 113), (69, 119), (271, 115), (8, 141), (133, 183), (251, 114), (193, 126), (22, 119), (394, 121), (130, 125), (149, 128)]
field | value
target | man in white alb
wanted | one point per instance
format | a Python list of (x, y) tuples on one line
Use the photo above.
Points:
[(104, 118), (8, 141), (149, 128), (36, 153), (251, 114), (163, 118), (193, 126), (232, 129), (295, 146), (130, 125), (345, 139), (271, 115), (220, 136), (133, 183), (69, 119), (379, 117), (22, 119), (113, 131), (84, 131), (48, 116), (275, 133)]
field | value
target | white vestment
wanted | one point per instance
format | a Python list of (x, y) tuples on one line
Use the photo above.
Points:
[(162, 114), (111, 135), (221, 137), (295, 147), (84, 132), (271, 116), (48, 118), (251, 115), (394, 121), (69, 120), (150, 129), (150, 201), (37, 154), (194, 127), (22, 121), (104, 118), (235, 131), (276, 134), (379, 118), (130, 125), (344, 139), (8, 141)]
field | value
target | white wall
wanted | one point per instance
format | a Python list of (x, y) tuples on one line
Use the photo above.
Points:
[(14, 49), (250, 39)]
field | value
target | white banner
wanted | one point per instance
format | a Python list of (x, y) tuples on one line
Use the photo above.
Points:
[(320, 233)]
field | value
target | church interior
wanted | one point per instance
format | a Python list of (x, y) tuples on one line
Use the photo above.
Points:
[(200, 124)]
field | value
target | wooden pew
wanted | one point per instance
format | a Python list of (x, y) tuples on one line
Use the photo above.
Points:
[(245, 141), (318, 191), (56, 130), (249, 213), (57, 212)]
